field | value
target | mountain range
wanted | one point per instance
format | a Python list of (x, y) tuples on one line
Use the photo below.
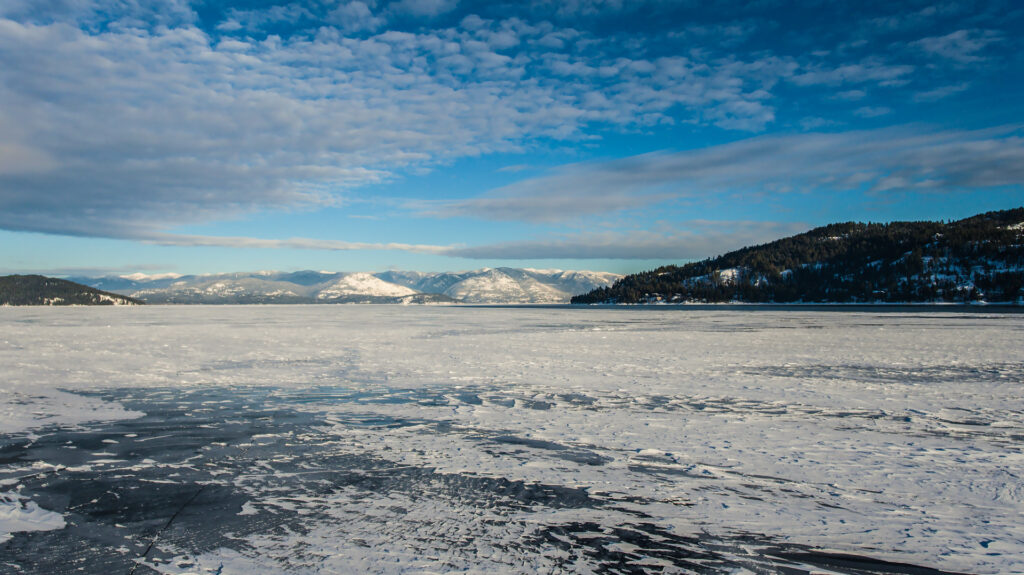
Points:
[(484, 286), (980, 258)]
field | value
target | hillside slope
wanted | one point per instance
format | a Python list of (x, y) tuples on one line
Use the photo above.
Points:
[(976, 259), (41, 290)]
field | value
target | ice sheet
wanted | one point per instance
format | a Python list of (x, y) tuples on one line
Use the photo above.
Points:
[(895, 436)]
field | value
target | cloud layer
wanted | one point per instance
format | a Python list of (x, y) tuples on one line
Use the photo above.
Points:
[(127, 119), (695, 240), (901, 159), (164, 125)]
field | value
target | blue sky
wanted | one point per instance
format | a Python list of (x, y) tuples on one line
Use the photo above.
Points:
[(197, 137)]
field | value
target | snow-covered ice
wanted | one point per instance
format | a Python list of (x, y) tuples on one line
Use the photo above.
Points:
[(17, 514), (385, 439)]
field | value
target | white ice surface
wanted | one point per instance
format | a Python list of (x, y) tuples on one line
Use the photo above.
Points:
[(25, 407), (19, 514), (893, 435)]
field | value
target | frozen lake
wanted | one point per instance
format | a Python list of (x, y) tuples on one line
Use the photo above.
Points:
[(351, 439)]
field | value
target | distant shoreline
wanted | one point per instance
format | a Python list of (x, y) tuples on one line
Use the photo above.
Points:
[(975, 308), (836, 307)]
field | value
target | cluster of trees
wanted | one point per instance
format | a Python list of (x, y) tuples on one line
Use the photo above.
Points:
[(41, 290), (981, 257)]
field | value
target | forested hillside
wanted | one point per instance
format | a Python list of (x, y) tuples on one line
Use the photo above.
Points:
[(41, 290), (976, 259)]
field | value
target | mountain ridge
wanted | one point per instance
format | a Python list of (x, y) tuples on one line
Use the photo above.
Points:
[(482, 286), (980, 258)]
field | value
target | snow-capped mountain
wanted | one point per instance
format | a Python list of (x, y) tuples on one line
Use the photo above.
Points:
[(362, 283), (504, 285), (484, 286)]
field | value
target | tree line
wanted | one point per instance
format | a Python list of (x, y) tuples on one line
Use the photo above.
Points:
[(978, 258)]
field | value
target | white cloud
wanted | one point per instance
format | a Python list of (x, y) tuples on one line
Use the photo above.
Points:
[(902, 21), (571, 8), (424, 7), (551, 201), (962, 46), (941, 92), (871, 70), (694, 240), (257, 19), (129, 13), (884, 160), (289, 243), (20, 159), (354, 17), (850, 95), (872, 111), (123, 271), (152, 127), (145, 120), (815, 122), (473, 22)]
